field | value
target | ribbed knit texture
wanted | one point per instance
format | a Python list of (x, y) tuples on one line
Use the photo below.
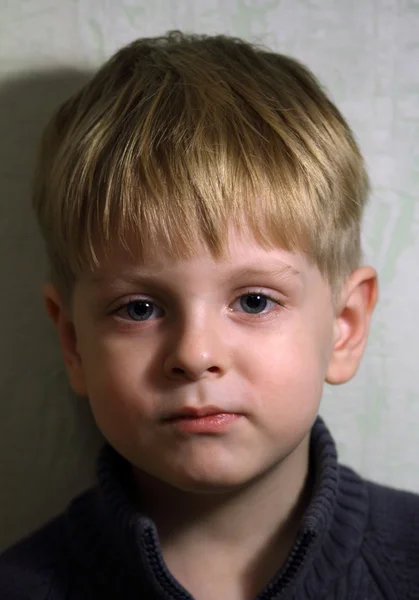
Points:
[(357, 540)]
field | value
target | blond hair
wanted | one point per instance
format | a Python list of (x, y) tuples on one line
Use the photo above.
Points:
[(177, 137)]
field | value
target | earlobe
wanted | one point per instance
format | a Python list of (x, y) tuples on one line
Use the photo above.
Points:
[(352, 325), (64, 325)]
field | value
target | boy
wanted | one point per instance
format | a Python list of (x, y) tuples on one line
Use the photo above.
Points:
[(201, 201)]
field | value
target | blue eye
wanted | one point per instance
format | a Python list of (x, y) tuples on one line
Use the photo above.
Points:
[(255, 303), (141, 310)]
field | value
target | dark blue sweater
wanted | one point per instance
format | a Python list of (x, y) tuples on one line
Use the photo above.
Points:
[(357, 541)]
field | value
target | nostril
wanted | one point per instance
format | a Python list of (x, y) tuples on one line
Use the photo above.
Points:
[(178, 371), (213, 369)]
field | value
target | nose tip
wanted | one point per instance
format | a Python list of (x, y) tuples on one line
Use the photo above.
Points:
[(197, 348), (194, 373)]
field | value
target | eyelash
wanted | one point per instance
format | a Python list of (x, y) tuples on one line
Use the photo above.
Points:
[(278, 304)]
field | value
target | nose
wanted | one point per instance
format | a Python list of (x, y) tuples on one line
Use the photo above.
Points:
[(196, 352)]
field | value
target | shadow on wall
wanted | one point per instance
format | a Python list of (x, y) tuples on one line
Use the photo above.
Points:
[(48, 440)]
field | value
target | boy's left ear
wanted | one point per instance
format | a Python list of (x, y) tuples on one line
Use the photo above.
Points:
[(352, 322), (59, 315)]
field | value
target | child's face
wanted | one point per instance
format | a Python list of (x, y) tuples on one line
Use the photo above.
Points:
[(153, 339)]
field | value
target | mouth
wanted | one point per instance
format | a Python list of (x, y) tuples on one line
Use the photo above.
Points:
[(209, 420), (190, 412)]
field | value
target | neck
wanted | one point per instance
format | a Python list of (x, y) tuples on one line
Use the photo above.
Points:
[(251, 529)]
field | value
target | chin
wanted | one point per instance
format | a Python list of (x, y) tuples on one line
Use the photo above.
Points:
[(209, 488), (211, 483)]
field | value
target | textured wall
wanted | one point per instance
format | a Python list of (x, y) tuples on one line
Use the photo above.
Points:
[(367, 53)]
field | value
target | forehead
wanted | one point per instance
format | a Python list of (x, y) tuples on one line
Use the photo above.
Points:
[(242, 252)]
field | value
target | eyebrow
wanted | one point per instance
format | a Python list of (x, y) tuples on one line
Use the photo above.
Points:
[(280, 270), (283, 270)]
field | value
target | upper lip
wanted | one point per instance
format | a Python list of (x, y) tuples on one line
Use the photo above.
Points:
[(196, 413)]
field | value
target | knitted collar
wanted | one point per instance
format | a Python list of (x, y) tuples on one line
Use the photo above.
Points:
[(119, 547)]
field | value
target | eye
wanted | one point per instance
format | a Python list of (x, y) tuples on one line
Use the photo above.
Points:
[(143, 309), (257, 303), (139, 310)]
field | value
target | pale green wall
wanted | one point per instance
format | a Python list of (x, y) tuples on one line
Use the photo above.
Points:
[(367, 53)]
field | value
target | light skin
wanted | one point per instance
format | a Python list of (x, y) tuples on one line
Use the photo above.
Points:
[(210, 336)]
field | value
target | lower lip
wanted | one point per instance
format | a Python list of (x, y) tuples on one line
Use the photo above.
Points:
[(210, 424)]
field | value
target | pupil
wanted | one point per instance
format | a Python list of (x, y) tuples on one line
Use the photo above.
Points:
[(255, 302), (140, 310)]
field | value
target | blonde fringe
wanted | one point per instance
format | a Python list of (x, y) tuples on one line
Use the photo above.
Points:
[(177, 137)]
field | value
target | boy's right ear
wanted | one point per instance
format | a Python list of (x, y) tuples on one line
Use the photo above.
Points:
[(61, 318)]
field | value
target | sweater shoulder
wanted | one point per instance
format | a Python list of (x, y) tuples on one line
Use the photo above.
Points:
[(394, 515), (392, 537), (28, 567)]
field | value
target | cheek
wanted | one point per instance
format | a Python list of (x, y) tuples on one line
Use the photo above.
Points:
[(289, 374), (115, 375), (121, 407)]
